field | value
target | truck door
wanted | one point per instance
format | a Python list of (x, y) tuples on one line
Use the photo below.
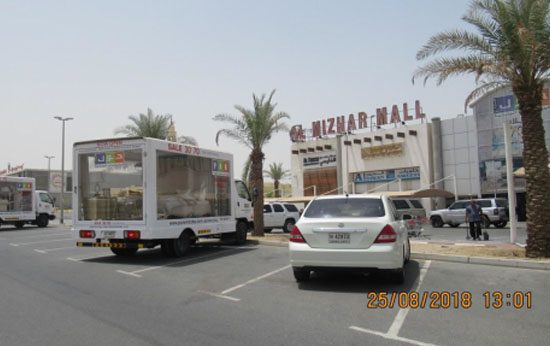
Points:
[(278, 215)]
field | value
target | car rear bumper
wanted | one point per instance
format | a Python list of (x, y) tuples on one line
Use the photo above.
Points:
[(378, 256)]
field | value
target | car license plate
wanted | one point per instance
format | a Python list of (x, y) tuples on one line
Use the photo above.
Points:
[(338, 238), (108, 234)]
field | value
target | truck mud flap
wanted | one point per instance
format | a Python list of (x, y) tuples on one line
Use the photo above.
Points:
[(111, 245)]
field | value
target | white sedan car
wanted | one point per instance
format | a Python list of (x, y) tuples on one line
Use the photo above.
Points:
[(359, 232)]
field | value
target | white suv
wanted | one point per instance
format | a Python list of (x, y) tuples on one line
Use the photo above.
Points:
[(280, 215)]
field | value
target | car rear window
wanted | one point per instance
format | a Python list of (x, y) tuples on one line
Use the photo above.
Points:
[(400, 204), (416, 204), (291, 207), (345, 207)]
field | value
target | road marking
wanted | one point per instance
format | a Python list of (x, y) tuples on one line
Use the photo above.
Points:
[(135, 272), (221, 296), (55, 249), (254, 280), (391, 337), (401, 315), (40, 242)]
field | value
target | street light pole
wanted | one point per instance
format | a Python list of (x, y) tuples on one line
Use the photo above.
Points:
[(49, 157), (63, 120)]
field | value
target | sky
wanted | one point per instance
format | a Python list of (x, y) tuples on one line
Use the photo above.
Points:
[(102, 61)]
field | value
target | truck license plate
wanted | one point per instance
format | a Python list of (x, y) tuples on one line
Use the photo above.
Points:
[(108, 234), (338, 238)]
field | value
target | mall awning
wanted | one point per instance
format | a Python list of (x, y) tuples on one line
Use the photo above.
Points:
[(422, 193)]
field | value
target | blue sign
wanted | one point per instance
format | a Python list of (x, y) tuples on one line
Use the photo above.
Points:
[(100, 159), (504, 104), (387, 175)]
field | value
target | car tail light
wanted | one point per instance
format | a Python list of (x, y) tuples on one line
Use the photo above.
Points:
[(387, 235), (296, 235), (87, 234), (132, 234)]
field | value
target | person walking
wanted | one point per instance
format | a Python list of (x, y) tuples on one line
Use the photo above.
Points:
[(473, 217)]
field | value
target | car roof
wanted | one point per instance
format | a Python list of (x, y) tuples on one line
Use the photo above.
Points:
[(364, 195)]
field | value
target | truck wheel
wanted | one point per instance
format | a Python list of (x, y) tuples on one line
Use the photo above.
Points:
[(167, 248), (289, 223), (182, 244), (124, 252), (485, 222), (241, 233), (437, 222), (42, 220), (19, 224)]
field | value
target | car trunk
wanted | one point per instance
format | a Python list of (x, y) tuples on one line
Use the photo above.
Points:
[(342, 233)]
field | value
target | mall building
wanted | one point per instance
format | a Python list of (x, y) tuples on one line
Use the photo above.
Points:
[(402, 149)]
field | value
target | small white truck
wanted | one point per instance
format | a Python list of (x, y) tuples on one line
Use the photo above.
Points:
[(132, 193), (21, 203)]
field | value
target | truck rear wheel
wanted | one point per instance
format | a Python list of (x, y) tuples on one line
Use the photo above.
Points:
[(182, 244), (42, 220)]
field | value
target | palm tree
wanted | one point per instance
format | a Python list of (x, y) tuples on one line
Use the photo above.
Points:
[(511, 48), (146, 125), (276, 172), (254, 128)]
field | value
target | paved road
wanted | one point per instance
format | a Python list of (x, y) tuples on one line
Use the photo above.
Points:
[(56, 294)]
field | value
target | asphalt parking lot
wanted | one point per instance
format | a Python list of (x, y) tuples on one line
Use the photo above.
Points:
[(57, 294)]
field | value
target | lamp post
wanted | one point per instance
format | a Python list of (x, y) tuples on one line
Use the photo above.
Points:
[(63, 120), (49, 157)]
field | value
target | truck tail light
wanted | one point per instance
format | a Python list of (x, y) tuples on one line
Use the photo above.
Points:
[(132, 234), (296, 235), (387, 235), (87, 234)]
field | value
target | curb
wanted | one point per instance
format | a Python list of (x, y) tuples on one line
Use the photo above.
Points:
[(499, 262)]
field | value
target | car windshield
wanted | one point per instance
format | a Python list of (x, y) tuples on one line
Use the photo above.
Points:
[(345, 207)]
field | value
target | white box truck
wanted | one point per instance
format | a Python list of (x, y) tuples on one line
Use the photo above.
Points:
[(132, 193), (21, 203)]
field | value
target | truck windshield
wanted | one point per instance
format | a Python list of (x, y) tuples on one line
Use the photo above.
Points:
[(110, 185)]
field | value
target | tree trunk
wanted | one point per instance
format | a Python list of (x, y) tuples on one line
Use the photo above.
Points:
[(257, 183), (535, 161), (276, 187)]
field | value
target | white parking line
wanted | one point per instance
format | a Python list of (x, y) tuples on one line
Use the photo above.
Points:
[(391, 337), (55, 249), (255, 279), (221, 296), (399, 319), (40, 242)]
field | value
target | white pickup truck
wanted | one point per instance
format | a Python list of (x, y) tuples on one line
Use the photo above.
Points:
[(21, 204)]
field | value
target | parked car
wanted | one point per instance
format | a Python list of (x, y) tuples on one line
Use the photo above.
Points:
[(358, 232), (494, 211), (409, 208), (280, 215)]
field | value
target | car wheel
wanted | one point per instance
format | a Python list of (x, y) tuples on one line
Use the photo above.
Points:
[(301, 274), (437, 222), (454, 225), (485, 222), (289, 223), (42, 221), (500, 224), (124, 252), (182, 244), (267, 230)]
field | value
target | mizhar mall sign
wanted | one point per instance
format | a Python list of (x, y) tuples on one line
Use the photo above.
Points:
[(342, 124)]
